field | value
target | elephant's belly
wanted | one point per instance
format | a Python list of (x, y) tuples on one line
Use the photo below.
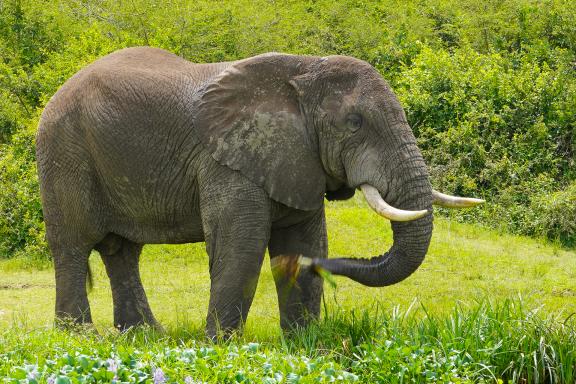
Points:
[(160, 223), (189, 231), (148, 211)]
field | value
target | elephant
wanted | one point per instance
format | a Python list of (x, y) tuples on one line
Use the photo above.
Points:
[(144, 147)]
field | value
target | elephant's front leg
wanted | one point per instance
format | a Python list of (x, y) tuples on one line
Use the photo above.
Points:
[(299, 295), (237, 229)]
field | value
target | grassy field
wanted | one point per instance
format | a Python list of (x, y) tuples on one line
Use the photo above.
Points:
[(465, 263), (506, 289)]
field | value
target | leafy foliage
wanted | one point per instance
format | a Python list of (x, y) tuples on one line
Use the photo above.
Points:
[(495, 127), (557, 215), (489, 87), (195, 364), (485, 343)]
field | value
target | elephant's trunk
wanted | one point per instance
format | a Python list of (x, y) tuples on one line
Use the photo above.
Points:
[(411, 238)]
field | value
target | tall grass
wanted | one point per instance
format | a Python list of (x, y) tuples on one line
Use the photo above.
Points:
[(487, 341), (484, 342)]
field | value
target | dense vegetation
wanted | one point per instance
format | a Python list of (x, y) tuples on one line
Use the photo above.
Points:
[(489, 87), (482, 344)]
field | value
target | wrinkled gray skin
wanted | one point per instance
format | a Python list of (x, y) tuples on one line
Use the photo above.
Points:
[(145, 147)]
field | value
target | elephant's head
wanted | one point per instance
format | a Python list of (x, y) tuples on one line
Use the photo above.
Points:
[(302, 127)]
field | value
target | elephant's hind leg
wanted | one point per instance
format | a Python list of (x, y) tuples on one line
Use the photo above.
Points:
[(121, 257), (71, 234), (71, 269)]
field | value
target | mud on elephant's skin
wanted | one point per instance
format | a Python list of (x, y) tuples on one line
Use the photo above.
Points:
[(144, 147)]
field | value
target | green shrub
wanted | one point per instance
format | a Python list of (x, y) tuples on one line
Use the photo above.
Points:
[(555, 215), (484, 124), (21, 225), (492, 127)]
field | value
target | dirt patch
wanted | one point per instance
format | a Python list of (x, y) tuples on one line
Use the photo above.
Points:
[(24, 286), (563, 292)]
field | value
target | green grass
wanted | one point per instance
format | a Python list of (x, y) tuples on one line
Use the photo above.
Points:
[(482, 306), (485, 342)]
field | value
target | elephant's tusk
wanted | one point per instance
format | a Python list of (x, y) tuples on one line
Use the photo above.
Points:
[(448, 201), (377, 203)]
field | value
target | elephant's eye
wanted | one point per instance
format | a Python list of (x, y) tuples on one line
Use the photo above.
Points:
[(354, 121)]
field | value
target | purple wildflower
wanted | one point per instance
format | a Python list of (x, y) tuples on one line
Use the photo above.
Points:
[(112, 365), (159, 377), (33, 374), (51, 380), (188, 380)]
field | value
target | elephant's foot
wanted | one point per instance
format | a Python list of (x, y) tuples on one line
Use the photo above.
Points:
[(222, 330), (228, 307), (73, 315), (134, 315), (233, 284), (68, 321), (72, 312), (131, 308)]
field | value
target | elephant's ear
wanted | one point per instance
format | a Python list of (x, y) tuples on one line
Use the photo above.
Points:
[(250, 120)]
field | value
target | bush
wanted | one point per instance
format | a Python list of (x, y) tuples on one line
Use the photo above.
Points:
[(496, 128), (21, 225), (485, 124), (555, 215)]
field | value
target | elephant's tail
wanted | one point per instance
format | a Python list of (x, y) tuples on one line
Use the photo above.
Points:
[(89, 279)]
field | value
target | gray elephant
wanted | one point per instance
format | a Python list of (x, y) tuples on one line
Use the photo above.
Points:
[(145, 147)]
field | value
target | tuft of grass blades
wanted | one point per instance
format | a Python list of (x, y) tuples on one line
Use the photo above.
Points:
[(289, 267)]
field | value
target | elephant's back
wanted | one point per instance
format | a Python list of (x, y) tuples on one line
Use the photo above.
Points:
[(134, 91), (136, 76), (142, 64)]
